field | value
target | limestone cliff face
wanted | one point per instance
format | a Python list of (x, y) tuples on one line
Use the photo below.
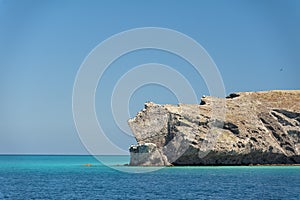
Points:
[(245, 128)]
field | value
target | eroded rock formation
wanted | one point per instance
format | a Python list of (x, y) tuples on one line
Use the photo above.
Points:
[(241, 129)]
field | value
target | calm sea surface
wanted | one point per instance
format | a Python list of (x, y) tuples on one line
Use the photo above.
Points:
[(66, 177)]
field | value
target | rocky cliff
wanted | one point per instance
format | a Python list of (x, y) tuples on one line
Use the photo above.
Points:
[(242, 129)]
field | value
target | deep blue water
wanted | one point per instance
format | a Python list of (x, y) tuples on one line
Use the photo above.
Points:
[(66, 177)]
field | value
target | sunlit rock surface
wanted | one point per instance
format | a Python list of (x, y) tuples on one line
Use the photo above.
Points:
[(242, 129)]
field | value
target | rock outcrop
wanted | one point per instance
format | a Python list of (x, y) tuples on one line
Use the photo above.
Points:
[(242, 129)]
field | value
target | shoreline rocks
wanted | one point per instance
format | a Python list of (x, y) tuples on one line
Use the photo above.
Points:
[(246, 128)]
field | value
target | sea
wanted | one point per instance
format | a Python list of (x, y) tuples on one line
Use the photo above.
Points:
[(106, 177)]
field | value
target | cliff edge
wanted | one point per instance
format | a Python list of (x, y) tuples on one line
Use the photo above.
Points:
[(242, 129)]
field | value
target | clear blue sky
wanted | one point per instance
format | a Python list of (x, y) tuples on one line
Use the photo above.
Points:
[(255, 45)]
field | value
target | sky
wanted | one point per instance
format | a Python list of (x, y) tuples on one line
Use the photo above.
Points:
[(254, 44)]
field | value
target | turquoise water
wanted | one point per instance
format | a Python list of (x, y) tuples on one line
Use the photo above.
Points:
[(66, 177)]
